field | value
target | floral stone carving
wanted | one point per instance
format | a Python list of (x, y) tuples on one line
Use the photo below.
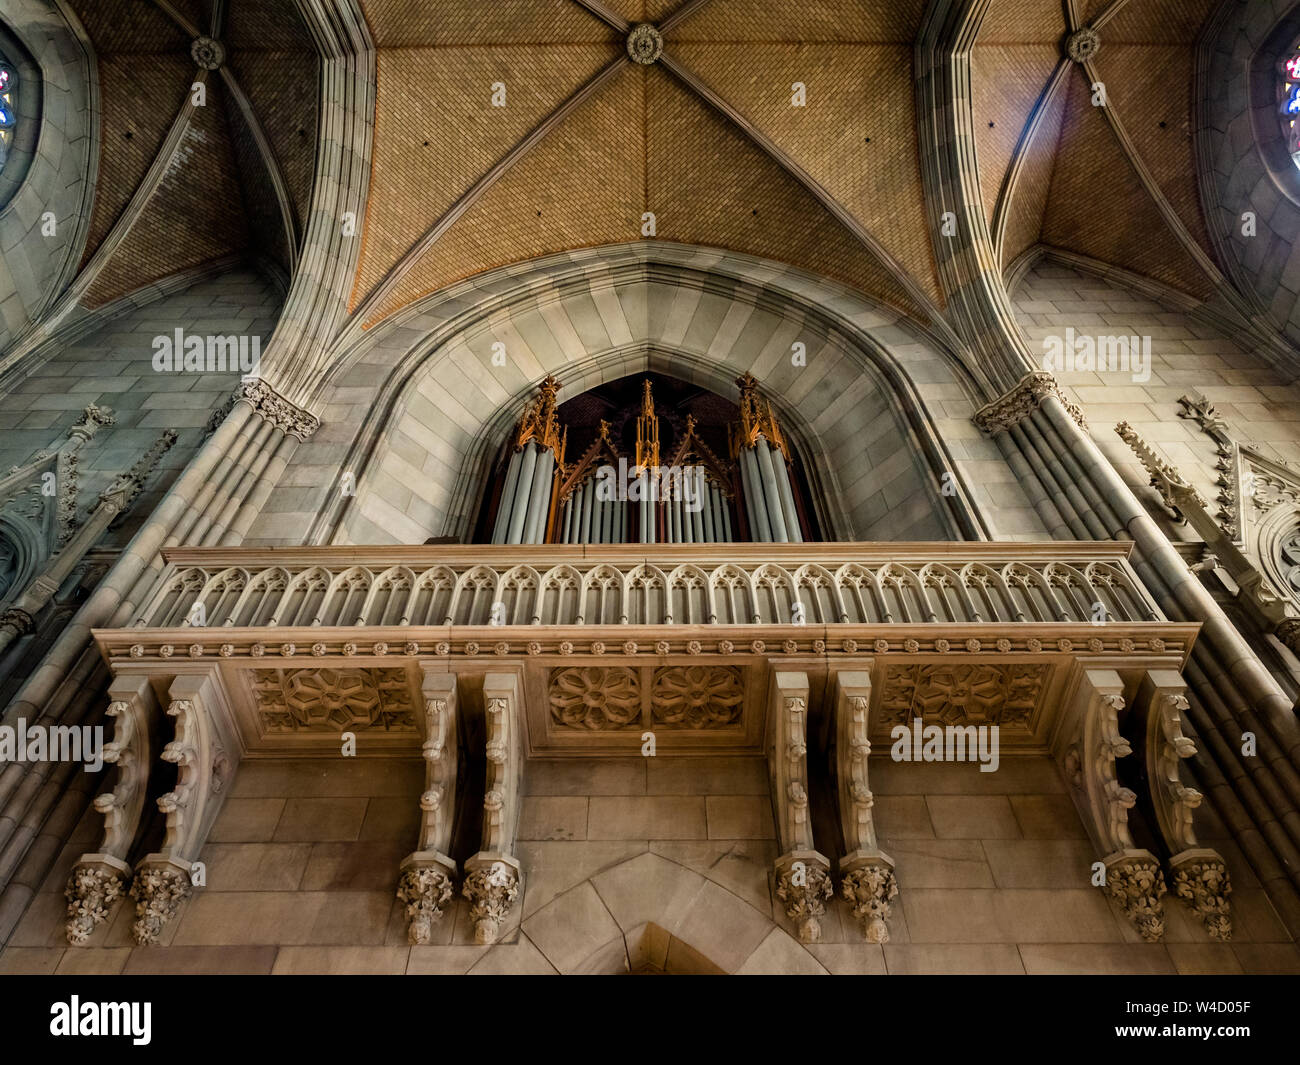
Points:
[(869, 889), (158, 892), (803, 886), (424, 891), (1136, 882), (597, 698), (333, 700), (491, 890), (1201, 880), (697, 697), (91, 893), (961, 695)]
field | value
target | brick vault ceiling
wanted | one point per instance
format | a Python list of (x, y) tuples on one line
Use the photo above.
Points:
[(706, 138)]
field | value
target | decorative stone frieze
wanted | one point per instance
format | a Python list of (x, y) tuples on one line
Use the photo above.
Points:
[(595, 697), (697, 697), (983, 694), (333, 700)]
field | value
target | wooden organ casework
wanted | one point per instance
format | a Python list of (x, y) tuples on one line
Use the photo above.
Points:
[(645, 474)]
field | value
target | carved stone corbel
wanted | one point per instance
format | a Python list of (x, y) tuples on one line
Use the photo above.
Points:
[(1199, 874), (867, 880), (99, 879), (205, 751), (1087, 743), (492, 876), (427, 874), (1200, 877), (803, 882)]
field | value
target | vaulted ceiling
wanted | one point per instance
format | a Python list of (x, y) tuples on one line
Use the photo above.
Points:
[(708, 139), (181, 185)]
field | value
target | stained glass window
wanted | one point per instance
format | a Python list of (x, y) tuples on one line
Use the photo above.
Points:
[(8, 115), (1290, 104)]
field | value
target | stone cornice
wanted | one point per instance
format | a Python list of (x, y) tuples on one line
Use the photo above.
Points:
[(1009, 409), (488, 647)]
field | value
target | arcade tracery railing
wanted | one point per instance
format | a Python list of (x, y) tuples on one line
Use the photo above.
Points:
[(734, 584)]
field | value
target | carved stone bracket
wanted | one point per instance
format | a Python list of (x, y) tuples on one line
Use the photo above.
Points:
[(1200, 878), (868, 885), (492, 876), (1135, 880), (99, 879), (1163, 694), (803, 880), (205, 752), (427, 875), (867, 879), (1087, 743)]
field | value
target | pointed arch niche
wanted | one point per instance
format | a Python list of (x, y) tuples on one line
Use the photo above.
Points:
[(861, 398)]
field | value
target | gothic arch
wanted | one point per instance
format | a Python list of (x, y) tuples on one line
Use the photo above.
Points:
[(650, 913), (704, 316)]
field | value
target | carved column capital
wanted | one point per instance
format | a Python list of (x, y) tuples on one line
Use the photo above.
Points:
[(1201, 880), (1288, 631), (424, 889), (93, 889), (270, 406), (18, 620), (869, 886), (803, 884), (1009, 409), (492, 886), (158, 891), (1135, 880)]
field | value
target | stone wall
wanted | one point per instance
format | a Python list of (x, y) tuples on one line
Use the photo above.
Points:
[(111, 366), (658, 864), (1188, 357)]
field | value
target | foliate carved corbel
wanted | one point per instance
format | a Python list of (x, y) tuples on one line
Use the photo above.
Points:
[(427, 875), (492, 886), (803, 882), (867, 879), (92, 891), (1087, 743), (492, 876), (159, 889), (869, 887), (424, 889), (99, 879), (1201, 880), (272, 407), (1135, 880), (204, 734)]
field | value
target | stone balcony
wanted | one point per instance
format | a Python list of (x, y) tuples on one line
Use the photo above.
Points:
[(480, 658)]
